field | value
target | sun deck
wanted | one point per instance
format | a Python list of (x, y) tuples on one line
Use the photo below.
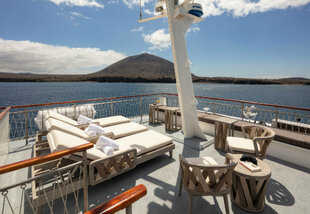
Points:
[(288, 190)]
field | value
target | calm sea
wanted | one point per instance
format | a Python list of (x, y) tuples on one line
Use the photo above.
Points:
[(31, 93)]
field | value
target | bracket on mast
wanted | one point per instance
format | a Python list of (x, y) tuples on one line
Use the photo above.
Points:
[(152, 18)]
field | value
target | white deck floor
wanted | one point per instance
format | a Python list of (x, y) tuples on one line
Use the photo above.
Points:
[(288, 191)]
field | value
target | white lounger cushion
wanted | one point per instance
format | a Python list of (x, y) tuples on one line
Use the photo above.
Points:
[(145, 141), (125, 129), (59, 140), (241, 144), (106, 121), (54, 124), (120, 130), (111, 121), (57, 116)]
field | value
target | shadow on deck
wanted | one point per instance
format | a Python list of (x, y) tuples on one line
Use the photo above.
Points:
[(287, 192)]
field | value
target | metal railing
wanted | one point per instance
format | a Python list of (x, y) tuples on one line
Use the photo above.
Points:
[(23, 126), (51, 186), (290, 118)]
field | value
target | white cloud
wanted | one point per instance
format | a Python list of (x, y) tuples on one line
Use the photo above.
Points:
[(132, 3), (234, 7), (245, 7), (137, 29), (159, 39), (78, 3), (147, 11), (75, 14), (113, 2), (34, 57), (193, 29)]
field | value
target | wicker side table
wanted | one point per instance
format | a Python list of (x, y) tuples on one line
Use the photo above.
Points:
[(171, 119), (221, 127), (154, 113), (249, 188)]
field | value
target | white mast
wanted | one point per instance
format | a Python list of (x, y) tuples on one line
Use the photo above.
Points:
[(179, 21)]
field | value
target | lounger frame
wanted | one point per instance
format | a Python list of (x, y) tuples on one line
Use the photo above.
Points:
[(103, 169), (99, 170)]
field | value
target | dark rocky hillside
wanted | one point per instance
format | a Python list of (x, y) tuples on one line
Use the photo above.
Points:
[(140, 67)]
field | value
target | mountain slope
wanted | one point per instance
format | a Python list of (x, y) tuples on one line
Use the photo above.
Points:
[(142, 66)]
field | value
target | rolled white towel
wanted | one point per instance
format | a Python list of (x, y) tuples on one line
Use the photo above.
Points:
[(84, 120), (91, 133), (94, 128), (108, 150), (105, 141)]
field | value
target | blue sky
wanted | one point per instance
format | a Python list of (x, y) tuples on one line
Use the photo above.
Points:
[(238, 38)]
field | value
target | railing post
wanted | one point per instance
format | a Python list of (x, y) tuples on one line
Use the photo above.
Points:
[(140, 109), (85, 185), (242, 108), (26, 127), (42, 119), (112, 112), (129, 209), (277, 115), (74, 111), (213, 108)]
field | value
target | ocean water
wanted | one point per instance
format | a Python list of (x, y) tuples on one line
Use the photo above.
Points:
[(12, 93)]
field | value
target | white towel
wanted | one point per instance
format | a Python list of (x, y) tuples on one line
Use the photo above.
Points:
[(94, 128), (104, 141), (91, 133), (108, 150), (84, 120)]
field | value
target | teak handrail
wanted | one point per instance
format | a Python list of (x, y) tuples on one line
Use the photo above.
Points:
[(121, 201), (3, 113), (42, 159), (246, 102), (81, 101), (170, 94)]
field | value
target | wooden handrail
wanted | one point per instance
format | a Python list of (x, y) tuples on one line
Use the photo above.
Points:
[(42, 159), (121, 201), (171, 94), (3, 113), (80, 101), (246, 102)]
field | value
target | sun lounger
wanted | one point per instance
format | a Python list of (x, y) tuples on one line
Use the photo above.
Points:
[(120, 130), (133, 150), (103, 122)]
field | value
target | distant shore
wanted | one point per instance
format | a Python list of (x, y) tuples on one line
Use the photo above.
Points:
[(7, 77), (146, 68)]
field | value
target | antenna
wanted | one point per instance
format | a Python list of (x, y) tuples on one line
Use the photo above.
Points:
[(140, 11)]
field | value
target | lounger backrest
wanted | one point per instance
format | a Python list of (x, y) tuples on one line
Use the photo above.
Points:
[(59, 140), (54, 124), (57, 116)]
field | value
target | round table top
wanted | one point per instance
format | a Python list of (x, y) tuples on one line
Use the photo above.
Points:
[(265, 170)]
